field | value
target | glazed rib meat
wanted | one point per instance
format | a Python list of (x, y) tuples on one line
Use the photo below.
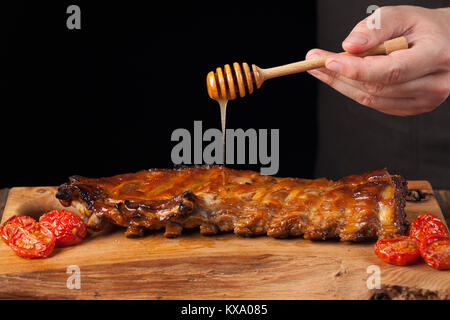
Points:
[(213, 198)]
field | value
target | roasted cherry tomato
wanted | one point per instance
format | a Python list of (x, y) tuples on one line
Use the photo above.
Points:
[(435, 250), (399, 251), (67, 227), (27, 237), (427, 225)]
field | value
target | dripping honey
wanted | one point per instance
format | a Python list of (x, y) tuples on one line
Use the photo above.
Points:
[(223, 114)]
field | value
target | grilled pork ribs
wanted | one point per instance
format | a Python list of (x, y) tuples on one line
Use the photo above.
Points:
[(354, 208)]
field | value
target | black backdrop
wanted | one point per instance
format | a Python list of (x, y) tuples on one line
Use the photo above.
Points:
[(105, 99)]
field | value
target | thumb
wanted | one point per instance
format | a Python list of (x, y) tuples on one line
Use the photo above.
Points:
[(383, 24)]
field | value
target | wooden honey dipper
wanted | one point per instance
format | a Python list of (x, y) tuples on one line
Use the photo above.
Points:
[(227, 85)]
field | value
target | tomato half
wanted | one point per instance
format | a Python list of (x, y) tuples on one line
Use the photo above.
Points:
[(425, 225), (68, 227), (435, 250), (399, 251), (27, 238)]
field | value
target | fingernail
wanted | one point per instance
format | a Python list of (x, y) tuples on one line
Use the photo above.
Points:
[(312, 55), (357, 38), (314, 72), (334, 66)]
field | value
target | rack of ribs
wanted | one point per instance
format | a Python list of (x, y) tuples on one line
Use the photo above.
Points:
[(213, 198)]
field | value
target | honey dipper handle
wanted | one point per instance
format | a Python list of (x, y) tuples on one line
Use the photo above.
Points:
[(301, 66)]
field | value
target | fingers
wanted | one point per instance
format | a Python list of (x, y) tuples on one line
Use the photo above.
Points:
[(393, 106), (434, 84), (399, 66), (366, 34)]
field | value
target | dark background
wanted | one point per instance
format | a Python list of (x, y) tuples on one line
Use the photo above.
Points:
[(105, 99)]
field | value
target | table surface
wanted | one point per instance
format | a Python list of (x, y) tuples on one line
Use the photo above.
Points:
[(442, 196)]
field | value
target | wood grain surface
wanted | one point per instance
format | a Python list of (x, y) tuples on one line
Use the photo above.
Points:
[(218, 267), (3, 196), (443, 198)]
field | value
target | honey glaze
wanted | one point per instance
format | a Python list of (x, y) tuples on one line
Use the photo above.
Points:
[(223, 115)]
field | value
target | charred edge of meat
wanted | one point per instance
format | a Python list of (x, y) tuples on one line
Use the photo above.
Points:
[(64, 194), (368, 233), (87, 193), (134, 231), (173, 229), (155, 205), (401, 190), (136, 213)]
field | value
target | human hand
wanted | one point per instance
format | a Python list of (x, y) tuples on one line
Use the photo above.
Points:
[(405, 82)]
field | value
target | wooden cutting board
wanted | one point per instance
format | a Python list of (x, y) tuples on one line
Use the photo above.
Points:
[(218, 267)]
